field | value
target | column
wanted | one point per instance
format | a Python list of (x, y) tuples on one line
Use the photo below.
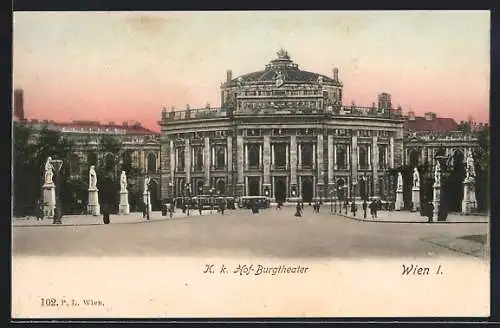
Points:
[(260, 156), (229, 166), (272, 156), (246, 186), (173, 157), (320, 169), (207, 163), (391, 146), (354, 155), (287, 157), (272, 190), (240, 162), (212, 160), (176, 158), (314, 156), (267, 160), (187, 160), (370, 157), (375, 166), (348, 156), (300, 155), (334, 157), (331, 157), (246, 156), (225, 157), (386, 159), (422, 155), (293, 160)]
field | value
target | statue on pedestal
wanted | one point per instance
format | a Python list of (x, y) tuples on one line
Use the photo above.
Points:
[(123, 181), (400, 182), (437, 174), (146, 185), (49, 171), (92, 178), (470, 170), (416, 178)]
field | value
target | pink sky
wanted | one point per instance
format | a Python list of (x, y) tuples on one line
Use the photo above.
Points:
[(126, 65)]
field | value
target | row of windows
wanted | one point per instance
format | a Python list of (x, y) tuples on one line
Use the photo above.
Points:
[(269, 93), (110, 163), (284, 132), (280, 157)]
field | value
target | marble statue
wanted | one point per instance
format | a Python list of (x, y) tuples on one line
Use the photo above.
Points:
[(123, 181), (416, 178), (437, 174), (280, 79), (400, 181), (49, 171), (92, 178), (146, 184), (470, 170)]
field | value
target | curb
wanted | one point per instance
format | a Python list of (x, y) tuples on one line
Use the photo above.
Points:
[(102, 223), (421, 222)]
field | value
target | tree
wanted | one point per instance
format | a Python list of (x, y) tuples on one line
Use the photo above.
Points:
[(31, 150)]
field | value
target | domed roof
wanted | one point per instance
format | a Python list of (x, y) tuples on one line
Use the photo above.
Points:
[(284, 67)]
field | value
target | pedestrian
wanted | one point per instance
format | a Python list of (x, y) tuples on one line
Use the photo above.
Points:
[(375, 209), (144, 210), (365, 206), (39, 210), (430, 211), (222, 207), (298, 210), (106, 213), (372, 209), (171, 210)]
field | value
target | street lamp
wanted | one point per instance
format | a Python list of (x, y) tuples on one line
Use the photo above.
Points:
[(345, 196), (57, 164), (211, 200)]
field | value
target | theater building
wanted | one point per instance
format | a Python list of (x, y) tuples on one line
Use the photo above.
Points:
[(282, 132)]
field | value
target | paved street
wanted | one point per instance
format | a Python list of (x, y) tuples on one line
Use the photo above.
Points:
[(270, 233)]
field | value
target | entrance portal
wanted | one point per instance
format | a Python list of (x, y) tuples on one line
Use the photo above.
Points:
[(253, 186), (280, 189), (307, 189)]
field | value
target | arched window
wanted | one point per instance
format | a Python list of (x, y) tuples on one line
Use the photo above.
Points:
[(280, 155), (92, 158), (414, 158), (198, 159), (127, 160), (221, 186), (151, 163), (220, 158), (341, 157), (109, 162), (382, 160), (253, 156), (363, 157), (75, 164), (307, 155), (180, 159)]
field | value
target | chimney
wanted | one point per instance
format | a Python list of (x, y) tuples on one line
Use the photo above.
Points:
[(411, 116), (429, 116), (125, 123), (188, 107), (19, 104), (229, 75), (336, 74)]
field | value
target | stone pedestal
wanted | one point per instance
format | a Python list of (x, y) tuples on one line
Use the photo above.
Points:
[(93, 207), (398, 206), (124, 205), (49, 199), (435, 200), (146, 198), (469, 202), (415, 199)]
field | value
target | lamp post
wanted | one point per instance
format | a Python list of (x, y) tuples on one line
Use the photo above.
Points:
[(211, 200), (57, 164), (147, 199), (331, 202), (345, 196)]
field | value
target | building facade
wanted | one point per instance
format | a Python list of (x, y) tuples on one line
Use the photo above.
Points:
[(281, 132)]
